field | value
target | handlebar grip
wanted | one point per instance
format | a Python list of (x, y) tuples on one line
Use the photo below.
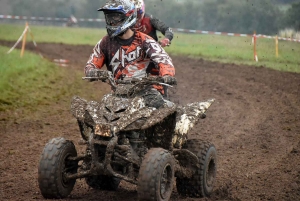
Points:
[(124, 82)]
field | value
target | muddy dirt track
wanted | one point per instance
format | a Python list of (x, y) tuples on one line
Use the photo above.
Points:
[(254, 124)]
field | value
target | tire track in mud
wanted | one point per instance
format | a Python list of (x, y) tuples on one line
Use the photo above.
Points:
[(254, 125), (248, 122)]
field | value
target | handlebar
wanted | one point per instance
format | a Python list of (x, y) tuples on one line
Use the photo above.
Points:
[(105, 75)]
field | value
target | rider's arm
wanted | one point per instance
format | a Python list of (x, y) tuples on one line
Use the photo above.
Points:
[(96, 60), (160, 26), (159, 57)]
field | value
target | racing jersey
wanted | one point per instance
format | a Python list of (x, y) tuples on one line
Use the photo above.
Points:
[(131, 58), (149, 24)]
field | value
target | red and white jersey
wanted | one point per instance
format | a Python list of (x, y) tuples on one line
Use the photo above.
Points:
[(150, 24), (131, 58)]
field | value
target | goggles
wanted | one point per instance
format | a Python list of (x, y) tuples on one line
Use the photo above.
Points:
[(114, 19)]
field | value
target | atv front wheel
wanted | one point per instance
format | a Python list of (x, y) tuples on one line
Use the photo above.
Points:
[(202, 182), (156, 175), (54, 166), (103, 182)]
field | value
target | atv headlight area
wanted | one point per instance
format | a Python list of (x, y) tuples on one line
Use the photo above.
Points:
[(103, 130)]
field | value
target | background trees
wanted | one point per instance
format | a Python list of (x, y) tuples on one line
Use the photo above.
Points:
[(239, 16), (292, 17)]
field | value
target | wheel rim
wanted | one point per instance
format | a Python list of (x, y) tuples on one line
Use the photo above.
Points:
[(210, 172), (166, 181)]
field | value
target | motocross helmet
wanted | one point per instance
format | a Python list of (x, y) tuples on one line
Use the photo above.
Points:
[(140, 6), (120, 15)]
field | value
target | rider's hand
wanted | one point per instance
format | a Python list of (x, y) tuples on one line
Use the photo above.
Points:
[(164, 42), (170, 80), (92, 73)]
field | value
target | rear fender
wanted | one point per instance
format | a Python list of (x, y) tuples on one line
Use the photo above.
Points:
[(186, 118)]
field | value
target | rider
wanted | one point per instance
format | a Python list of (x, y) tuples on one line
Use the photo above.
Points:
[(129, 54), (148, 24)]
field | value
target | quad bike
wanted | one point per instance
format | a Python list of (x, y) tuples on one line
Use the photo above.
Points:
[(126, 140)]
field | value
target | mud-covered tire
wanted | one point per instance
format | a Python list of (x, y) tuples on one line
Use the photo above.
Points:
[(202, 182), (156, 176), (53, 165), (103, 182)]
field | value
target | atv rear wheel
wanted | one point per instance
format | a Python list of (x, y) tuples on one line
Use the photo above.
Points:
[(202, 182), (54, 166), (103, 182), (156, 175)]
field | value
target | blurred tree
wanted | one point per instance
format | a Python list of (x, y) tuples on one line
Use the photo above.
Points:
[(287, 1), (292, 17), (88, 9), (41, 8), (241, 16), (177, 14), (210, 15), (72, 7)]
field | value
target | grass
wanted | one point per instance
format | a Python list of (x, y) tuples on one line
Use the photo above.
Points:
[(213, 47), (238, 50), (31, 81), (67, 35), (21, 80)]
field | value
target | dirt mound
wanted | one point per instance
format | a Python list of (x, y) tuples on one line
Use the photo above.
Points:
[(254, 125)]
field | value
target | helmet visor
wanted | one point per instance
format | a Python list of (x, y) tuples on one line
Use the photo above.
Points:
[(114, 19)]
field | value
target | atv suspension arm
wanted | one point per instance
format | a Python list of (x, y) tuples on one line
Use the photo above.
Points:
[(101, 168)]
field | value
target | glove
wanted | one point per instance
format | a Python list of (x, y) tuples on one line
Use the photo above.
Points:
[(164, 42), (170, 80), (92, 73)]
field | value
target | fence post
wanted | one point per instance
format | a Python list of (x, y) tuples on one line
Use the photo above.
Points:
[(24, 40), (254, 46), (276, 45)]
